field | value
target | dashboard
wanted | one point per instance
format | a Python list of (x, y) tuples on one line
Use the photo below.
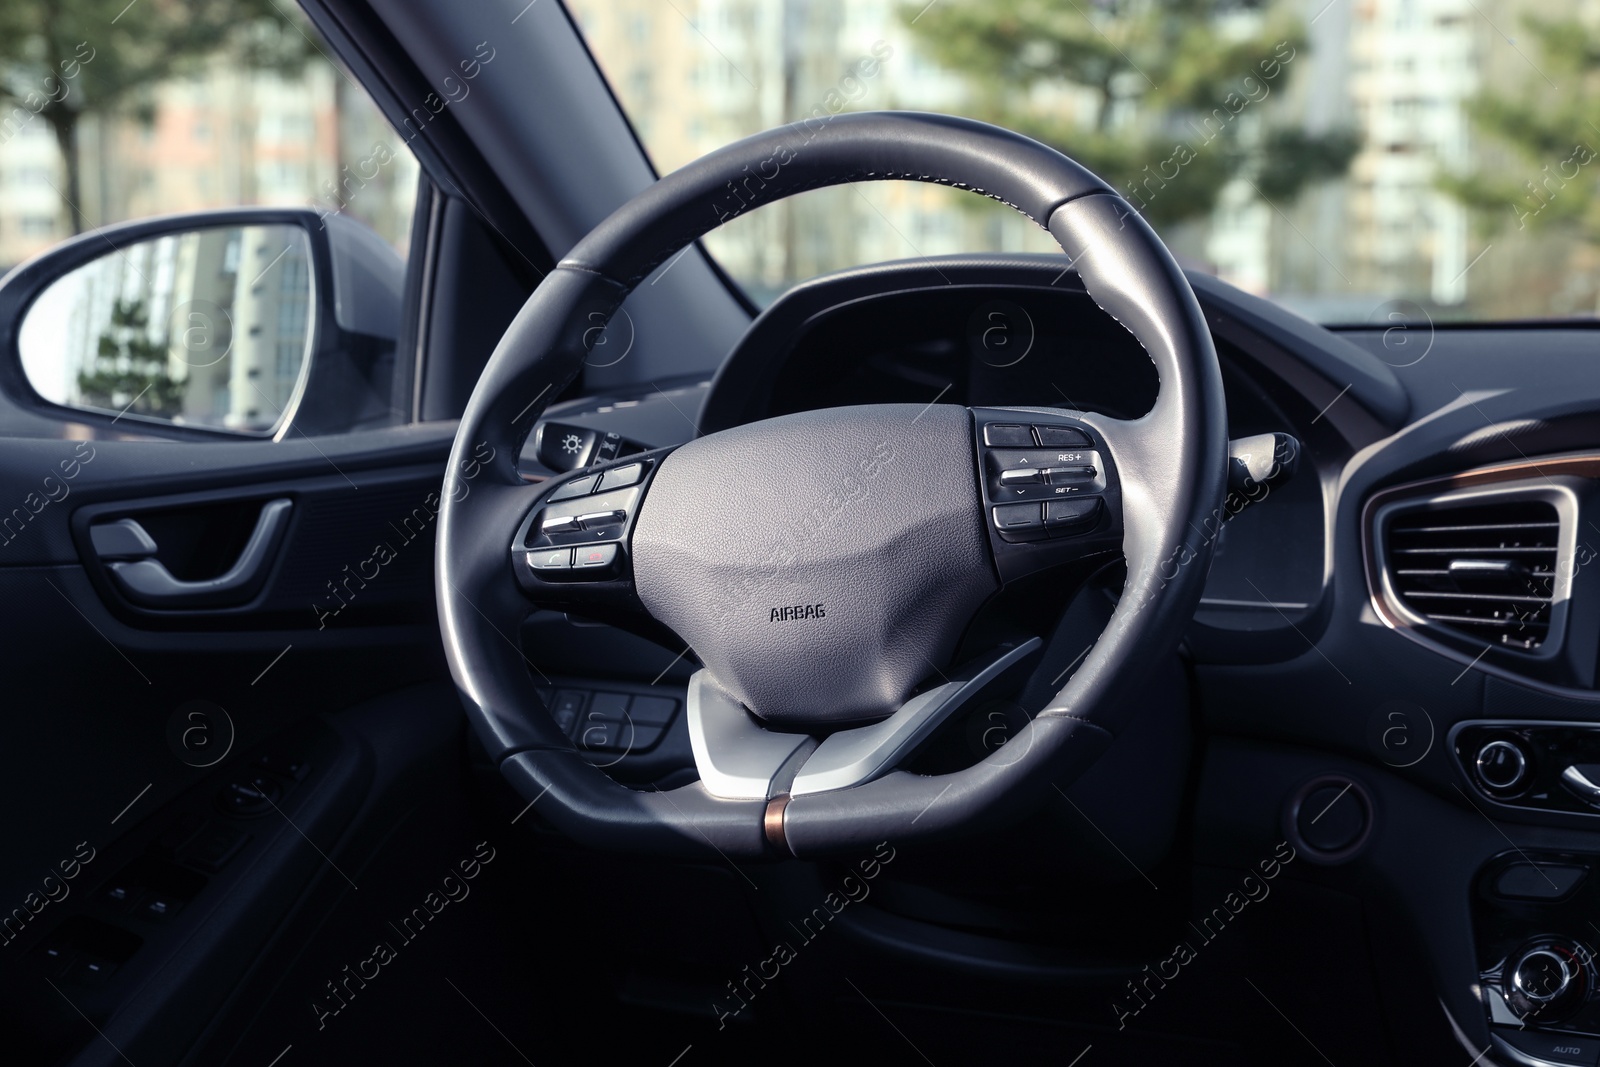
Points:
[(1408, 627), (1004, 331), (1021, 331)]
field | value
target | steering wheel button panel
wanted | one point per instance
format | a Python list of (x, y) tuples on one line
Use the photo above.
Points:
[(574, 534), (1051, 503), (1036, 474)]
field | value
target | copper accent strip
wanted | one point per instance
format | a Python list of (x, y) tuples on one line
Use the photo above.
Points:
[(772, 823)]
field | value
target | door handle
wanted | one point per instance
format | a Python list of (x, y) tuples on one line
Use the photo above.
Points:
[(147, 581), (1580, 781)]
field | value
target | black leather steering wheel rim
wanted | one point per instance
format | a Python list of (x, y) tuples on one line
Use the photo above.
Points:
[(1172, 464)]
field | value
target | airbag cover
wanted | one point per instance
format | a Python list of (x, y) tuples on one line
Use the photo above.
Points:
[(819, 564)]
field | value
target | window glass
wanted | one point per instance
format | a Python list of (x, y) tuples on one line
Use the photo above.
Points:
[(176, 107), (1352, 161)]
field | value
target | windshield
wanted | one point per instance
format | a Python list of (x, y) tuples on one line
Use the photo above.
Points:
[(1353, 160)]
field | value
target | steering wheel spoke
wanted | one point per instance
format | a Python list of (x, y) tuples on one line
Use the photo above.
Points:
[(739, 758)]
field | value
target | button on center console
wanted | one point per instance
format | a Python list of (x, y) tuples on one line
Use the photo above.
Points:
[(1552, 1047)]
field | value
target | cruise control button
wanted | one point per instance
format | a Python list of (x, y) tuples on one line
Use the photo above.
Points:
[(577, 487), (1006, 459), (554, 559), (596, 519), (1007, 435), (621, 477), (1019, 477), (1067, 475), (595, 557), (1062, 437), (1071, 516), (556, 524)]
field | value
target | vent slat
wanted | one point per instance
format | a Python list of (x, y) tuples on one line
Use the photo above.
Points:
[(1503, 624), (1444, 572), (1505, 598), (1486, 571), (1479, 526), (1477, 550)]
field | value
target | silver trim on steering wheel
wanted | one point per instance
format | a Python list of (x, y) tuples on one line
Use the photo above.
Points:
[(738, 758)]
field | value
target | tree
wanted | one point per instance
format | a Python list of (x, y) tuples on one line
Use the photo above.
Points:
[(130, 367), (1152, 95), (61, 60), (1543, 177)]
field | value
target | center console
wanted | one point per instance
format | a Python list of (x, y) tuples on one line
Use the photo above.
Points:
[(1534, 919), (1536, 915)]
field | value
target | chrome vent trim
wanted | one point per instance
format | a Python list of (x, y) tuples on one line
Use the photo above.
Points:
[(1488, 567)]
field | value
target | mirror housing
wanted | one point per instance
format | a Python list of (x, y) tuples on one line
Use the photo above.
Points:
[(355, 375)]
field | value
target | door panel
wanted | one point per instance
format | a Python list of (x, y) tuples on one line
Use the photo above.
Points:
[(98, 689)]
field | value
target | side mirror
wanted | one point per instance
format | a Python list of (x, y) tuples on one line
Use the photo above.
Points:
[(247, 321)]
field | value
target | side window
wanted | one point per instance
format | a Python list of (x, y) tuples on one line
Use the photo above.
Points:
[(275, 300)]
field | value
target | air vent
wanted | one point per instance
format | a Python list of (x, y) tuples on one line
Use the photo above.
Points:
[(1484, 570)]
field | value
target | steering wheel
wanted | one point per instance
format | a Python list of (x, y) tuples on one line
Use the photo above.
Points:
[(824, 566)]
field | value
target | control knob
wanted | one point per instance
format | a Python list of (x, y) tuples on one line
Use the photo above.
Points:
[(1547, 979)]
